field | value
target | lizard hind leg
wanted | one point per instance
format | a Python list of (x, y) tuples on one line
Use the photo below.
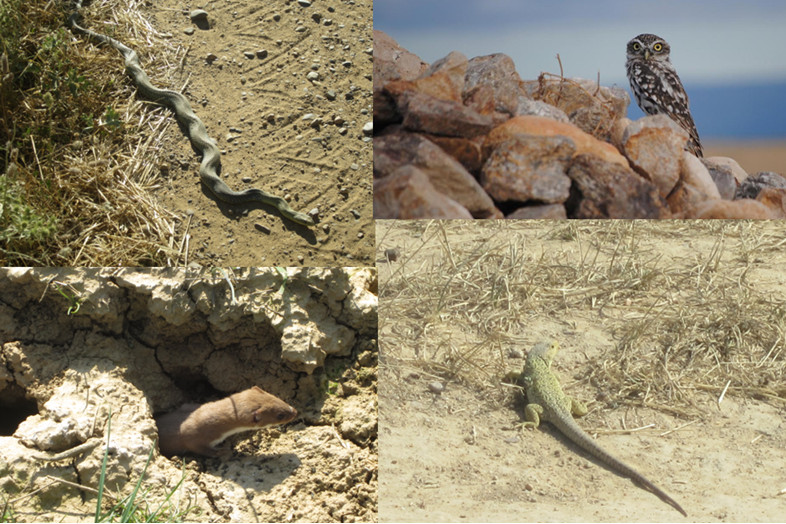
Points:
[(532, 413), (577, 408)]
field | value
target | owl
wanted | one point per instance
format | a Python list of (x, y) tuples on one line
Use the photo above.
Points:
[(657, 87)]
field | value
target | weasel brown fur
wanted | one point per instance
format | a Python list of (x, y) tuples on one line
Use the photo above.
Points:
[(195, 428)]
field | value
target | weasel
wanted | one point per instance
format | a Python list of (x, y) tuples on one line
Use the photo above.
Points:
[(195, 428)]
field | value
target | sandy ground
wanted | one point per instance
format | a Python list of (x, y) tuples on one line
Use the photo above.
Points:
[(754, 156), (460, 455), (255, 109)]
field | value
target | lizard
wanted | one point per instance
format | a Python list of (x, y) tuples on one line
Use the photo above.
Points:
[(546, 401)]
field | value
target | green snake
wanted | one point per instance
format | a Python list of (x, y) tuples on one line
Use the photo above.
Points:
[(197, 134)]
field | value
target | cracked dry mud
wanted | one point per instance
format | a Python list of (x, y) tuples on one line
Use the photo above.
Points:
[(258, 103), (140, 342)]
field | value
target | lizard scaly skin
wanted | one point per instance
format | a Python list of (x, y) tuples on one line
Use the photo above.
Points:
[(546, 401)]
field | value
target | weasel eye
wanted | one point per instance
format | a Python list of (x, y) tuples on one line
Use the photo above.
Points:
[(636, 46), (658, 46)]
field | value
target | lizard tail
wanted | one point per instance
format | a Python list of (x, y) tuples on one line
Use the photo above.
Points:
[(573, 431)]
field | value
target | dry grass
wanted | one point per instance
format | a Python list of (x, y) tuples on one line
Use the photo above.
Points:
[(77, 147), (675, 302)]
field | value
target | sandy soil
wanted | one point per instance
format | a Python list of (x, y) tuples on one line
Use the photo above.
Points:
[(460, 455), (754, 156), (255, 109)]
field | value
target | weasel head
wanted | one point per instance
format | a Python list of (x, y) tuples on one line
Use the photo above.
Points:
[(267, 409)]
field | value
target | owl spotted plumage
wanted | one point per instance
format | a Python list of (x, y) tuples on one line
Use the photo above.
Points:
[(656, 86)]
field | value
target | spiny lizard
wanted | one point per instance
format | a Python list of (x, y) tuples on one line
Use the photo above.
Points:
[(546, 401)]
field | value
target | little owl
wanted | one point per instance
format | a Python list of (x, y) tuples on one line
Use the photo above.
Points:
[(657, 87)]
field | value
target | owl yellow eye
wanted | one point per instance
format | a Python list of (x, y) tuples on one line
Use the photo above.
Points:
[(636, 46), (658, 47)]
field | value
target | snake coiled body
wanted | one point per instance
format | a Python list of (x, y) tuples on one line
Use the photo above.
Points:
[(197, 134)]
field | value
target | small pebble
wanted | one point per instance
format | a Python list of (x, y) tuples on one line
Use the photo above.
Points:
[(436, 387), (189, 30), (198, 15), (211, 57), (262, 53), (368, 129), (313, 75), (248, 54), (304, 3), (392, 254), (262, 227), (330, 95)]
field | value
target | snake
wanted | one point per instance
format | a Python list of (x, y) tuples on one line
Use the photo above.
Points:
[(195, 129)]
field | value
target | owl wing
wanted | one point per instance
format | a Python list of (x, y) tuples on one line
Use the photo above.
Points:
[(679, 110), (661, 92)]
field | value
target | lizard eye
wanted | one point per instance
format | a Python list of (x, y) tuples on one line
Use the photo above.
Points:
[(658, 47)]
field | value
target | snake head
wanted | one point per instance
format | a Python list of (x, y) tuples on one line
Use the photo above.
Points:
[(303, 219)]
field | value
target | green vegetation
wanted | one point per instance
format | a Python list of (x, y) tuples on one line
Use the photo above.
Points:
[(68, 194)]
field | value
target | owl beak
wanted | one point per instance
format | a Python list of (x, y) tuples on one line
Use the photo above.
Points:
[(646, 54)]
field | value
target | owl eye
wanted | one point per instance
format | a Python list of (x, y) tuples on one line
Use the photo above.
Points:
[(658, 46), (636, 46)]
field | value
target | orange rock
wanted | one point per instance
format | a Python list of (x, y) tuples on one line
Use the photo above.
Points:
[(467, 151), (775, 199), (444, 79), (391, 61), (538, 125), (408, 194), (592, 108), (696, 174), (734, 209), (546, 212), (618, 131), (729, 164), (654, 146), (444, 172)]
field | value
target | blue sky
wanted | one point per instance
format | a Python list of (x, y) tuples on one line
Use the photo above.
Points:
[(712, 40), (715, 44)]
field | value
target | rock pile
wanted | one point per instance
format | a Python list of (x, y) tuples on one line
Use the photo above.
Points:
[(470, 139)]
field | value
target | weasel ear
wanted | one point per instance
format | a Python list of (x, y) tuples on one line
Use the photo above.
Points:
[(258, 389)]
